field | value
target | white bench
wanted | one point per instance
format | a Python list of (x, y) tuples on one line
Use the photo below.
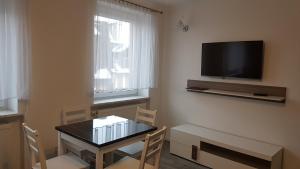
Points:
[(219, 150)]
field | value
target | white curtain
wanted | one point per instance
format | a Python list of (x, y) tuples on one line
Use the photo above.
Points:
[(125, 47), (14, 50)]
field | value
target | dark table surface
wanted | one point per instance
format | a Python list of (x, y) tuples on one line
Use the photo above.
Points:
[(105, 131)]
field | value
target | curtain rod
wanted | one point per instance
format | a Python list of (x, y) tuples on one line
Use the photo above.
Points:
[(151, 9)]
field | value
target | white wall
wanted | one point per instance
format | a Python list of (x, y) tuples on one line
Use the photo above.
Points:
[(60, 57), (10, 156), (274, 21)]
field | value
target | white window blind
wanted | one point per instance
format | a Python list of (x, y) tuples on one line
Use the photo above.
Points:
[(125, 49)]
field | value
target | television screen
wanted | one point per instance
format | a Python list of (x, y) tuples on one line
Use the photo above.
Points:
[(233, 59)]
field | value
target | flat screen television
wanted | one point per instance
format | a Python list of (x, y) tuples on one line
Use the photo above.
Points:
[(243, 59)]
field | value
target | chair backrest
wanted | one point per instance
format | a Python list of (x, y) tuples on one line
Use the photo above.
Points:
[(145, 116), (152, 148), (75, 114), (35, 147)]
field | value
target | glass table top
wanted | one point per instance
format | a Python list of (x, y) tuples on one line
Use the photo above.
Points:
[(106, 130)]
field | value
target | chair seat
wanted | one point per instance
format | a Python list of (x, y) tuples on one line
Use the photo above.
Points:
[(133, 150), (128, 163), (67, 161)]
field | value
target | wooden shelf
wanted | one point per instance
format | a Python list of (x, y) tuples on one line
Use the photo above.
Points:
[(240, 95), (274, 94)]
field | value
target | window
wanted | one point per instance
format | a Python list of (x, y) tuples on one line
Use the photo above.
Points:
[(124, 50), (113, 74), (14, 58)]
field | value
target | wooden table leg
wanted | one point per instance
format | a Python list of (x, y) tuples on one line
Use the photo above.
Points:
[(60, 147), (99, 160)]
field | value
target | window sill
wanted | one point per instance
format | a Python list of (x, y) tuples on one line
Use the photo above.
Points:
[(8, 114), (117, 102)]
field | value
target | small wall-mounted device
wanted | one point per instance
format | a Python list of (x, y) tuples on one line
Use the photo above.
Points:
[(183, 26)]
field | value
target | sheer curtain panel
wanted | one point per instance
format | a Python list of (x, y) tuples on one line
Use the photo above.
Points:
[(14, 51), (125, 47)]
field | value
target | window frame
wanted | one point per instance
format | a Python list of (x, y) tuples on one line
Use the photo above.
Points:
[(98, 95), (121, 93)]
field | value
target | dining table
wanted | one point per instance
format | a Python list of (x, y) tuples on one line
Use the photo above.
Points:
[(102, 135)]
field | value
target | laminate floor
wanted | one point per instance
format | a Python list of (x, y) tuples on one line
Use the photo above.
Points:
[(169, 161)]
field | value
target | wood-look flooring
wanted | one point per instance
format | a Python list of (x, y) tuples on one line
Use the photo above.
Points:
[(169, 161)]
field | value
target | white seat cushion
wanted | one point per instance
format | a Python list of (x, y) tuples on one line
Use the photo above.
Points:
[(68, 161), (128, 163), (133, 150)]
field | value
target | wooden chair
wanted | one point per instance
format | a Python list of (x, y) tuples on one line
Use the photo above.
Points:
[(37, 151), (143, 116), (152, 150), (74, 114), (71, 115)]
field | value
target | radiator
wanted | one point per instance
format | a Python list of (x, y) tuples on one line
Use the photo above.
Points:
[(10, 145)]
